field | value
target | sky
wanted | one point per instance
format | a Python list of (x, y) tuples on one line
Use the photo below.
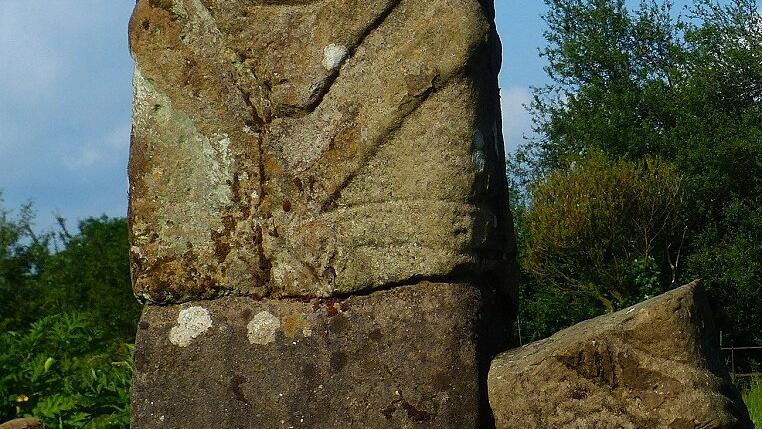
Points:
[(65, 91), (520, 25), (65, 100)]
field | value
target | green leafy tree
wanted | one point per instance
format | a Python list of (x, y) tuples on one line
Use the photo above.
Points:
[(22, 256), (685, 88), (91, 274)]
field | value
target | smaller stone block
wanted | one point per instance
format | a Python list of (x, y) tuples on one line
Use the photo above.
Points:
[(25, 423), (409, 357), (653, 365)]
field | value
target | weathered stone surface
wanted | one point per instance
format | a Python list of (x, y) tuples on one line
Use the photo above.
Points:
[(654, 365), (411, 357), (25, 423), (314, 147)]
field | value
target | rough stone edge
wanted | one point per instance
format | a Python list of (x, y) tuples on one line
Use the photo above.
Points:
[(697, 292)]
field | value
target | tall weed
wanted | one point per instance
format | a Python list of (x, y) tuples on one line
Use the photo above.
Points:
[(753, 399)]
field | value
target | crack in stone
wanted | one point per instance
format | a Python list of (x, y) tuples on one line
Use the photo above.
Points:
[(335, 74), (461, 276), (259, 122)]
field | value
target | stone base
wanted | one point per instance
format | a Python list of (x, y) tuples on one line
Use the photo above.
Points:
[(410, 357), (655, 365)]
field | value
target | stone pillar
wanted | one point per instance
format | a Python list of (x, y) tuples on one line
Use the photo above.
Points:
[(318, 212)]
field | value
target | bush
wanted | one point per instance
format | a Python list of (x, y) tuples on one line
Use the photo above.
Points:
[(610, 230), (66, 372)]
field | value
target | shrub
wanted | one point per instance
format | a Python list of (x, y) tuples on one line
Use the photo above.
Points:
[(66, 372), (607, 229)]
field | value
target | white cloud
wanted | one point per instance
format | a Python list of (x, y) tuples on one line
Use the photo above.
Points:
[(87, 157), (108, 150), (119, 138), (517, 122)]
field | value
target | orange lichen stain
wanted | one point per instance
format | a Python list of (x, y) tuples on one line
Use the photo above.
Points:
[(333, 306), (293, 325)]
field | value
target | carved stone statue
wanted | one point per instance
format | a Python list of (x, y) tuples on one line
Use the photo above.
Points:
[(294, 148), (330, 172)]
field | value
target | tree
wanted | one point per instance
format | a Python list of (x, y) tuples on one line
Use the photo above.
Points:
[(649, 84), (611, 73), (91, 274), (22, 256)]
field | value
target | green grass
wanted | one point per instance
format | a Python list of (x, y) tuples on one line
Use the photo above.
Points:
[(753, 399)]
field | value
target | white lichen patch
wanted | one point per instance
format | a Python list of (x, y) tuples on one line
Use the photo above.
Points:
[(223, 147), (188, 174), (191, 322), (262, 328), (142, 91), (219, 158), (480, 161), (202, 11), (333, 56), (137, 251)]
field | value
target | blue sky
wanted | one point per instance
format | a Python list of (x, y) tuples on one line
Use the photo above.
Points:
[(520, 25), (65, 97), (65, 94)]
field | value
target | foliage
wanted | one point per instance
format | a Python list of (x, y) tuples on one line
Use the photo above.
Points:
[(66, 372), (607, 229), (89, 273), (67, 319), (753, 399), (646, 84), (729, 253), (22, 255), (92, 274), (545, 309)]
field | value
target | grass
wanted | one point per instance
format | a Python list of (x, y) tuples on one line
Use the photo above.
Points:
[(753, 399)]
